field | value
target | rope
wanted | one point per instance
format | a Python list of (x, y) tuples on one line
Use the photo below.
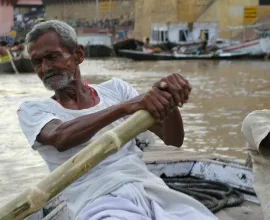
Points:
[(214, 195)]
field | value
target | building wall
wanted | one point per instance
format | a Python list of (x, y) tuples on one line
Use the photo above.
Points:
[(193, 35), (87, 10), (263, 10), (229, 13), (6, 18), (190, 10), (29, 2), (148, 12)]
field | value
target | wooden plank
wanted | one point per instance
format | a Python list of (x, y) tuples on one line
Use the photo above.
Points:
[(161, 153)]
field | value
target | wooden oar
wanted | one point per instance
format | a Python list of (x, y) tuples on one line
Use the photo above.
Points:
[(111, 141), (12, 62)]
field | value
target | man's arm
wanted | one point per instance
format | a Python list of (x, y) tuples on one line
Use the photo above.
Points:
[(160, 104), (65, 135), (171, 130)]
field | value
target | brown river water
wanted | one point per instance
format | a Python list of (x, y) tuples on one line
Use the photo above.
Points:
[(224, 92)]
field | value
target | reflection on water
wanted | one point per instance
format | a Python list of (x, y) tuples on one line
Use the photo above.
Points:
[(223, 94)]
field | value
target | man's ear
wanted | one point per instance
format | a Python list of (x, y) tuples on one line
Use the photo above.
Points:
[(79, 54)]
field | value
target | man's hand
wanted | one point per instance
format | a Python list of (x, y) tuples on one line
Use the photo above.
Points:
[(177, 86), (158, 103), (163, 98)]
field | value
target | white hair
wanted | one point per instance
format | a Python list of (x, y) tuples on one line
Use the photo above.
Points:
[(67, 34)]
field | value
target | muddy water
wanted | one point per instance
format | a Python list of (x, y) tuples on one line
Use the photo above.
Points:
[(223, 94)]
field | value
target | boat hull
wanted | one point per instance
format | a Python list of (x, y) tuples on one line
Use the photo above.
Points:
[(140, 56), (171, 163), (98, 51), (23, 65)]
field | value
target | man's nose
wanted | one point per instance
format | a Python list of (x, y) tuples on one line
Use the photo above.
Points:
[(46, 66)]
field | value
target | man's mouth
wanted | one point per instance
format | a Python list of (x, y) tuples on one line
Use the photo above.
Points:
[(49, 76)]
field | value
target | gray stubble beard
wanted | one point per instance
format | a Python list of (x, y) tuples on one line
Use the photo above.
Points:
[(52, 85)]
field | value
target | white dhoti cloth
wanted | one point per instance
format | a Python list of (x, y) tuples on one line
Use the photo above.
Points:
[(131, 202), (255, 128)]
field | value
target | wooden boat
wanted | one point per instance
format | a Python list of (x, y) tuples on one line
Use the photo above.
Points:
[(98, 51), (166, 161), (139, 55), (127, 44), (23, 65)]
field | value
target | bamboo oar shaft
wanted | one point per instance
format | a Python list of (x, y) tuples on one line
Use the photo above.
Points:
[(12, 62), (35, 198)]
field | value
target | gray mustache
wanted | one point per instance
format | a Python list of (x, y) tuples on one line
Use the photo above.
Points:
[(48, 75)]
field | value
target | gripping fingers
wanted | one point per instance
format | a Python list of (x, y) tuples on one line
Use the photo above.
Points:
[(183, 83), (176, 91), (160, 108), (151, 108), (167, 100), (166, 105)]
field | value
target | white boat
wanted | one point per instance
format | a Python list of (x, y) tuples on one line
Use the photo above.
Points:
[(142, 56), (252, 39), (253, 48), (172, 162)]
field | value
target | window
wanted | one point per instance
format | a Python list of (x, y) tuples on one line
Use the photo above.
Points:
[(155, 35), (264, 2), (159, 36), (183, 35)]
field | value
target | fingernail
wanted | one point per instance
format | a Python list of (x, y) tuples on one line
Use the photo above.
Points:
[(180, 104), (163, 85)]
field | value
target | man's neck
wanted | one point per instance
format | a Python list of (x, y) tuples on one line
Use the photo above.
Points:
[(76, 99)]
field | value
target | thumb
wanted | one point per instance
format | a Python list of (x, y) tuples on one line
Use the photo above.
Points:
[(162, 85)]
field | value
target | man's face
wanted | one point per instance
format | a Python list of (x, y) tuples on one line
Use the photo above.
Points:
[(53, 63)]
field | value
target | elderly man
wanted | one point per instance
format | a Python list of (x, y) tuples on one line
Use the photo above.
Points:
[(256, 129), (120, 187)]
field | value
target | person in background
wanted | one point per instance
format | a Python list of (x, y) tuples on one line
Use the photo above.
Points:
[(15, 49), (202, 49), (147, 48), (18, 48)]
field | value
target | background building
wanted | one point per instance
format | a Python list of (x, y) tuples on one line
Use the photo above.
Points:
[(88, 10), (19, 14), (225, 13)]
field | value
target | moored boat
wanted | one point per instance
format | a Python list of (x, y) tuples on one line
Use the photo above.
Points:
[(169, 162), (23, 65), (140, 56), (127, 44), (98, 51)]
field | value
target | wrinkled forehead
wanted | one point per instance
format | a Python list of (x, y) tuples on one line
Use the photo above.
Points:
[(44, 44)]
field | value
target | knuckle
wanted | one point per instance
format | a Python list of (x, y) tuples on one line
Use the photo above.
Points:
[(180, 89), (147, 96), (167, 104)]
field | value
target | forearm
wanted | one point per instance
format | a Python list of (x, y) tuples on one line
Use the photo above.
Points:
[(79, 130), (171, 130)]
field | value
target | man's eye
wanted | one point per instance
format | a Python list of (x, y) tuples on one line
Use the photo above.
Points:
[(36, 62), (51, 57)]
